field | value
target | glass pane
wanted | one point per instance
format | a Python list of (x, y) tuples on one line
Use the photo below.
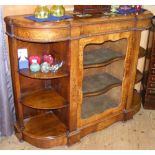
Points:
[(103, 74)]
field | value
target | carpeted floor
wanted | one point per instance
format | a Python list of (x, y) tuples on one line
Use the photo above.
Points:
[(138, 133)]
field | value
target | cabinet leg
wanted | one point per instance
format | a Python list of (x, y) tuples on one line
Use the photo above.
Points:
[(74, 137), (18, 132), (127, 115)]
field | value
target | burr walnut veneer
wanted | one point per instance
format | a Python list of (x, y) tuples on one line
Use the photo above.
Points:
[(93, 89)]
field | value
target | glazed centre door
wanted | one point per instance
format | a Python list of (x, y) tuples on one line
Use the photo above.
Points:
[(105, 75)]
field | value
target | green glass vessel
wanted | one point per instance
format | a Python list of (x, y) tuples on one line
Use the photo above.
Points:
[(42, 12), (35, 67), (114, 8), (57, 10)]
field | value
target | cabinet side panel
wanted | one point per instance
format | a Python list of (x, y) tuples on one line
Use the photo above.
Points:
[(131, 65), (15, 80)]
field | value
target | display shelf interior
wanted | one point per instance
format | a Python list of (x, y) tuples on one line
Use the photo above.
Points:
[(40, 75), (96, 104), (101, 57), (104, 56), (99, 83), (44, 99), (44, 126)]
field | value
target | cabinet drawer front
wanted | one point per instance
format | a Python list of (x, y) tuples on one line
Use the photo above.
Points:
[(153, 49), (150, 99), (153, 61), (152, 78), (153, 71), (150, 104), (151, 91), (153, 55), (153, 65), (151, 85)]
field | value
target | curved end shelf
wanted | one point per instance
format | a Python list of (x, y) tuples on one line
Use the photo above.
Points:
[(45, 131), (142, 52), (139, 76), (136, 103), (136, 98), (44, 99), (40, 75)]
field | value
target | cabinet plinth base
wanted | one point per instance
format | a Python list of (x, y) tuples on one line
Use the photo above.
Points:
[(74, 137), (60, 137), (46, 143), (105, 122), (43, 135), (43, 131)]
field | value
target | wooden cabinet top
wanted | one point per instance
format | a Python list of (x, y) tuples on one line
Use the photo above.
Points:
[(75, 28)]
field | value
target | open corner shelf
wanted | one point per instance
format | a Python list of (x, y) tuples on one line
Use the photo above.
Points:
[(136, 97), (45, 128), (136, 101), (44, 99), (139, 76), (40, 75), (142, 52), (101, 57)]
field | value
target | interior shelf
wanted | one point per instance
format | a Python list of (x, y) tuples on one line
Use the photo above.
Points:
[(99, 83), (44, 99), (40, 75), (96, 104), (101, 57), (104, 56), (44, 127)]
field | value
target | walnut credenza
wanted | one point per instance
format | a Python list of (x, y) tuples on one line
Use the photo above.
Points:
[(93, 89)]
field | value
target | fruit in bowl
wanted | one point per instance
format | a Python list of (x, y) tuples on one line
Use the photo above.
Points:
[(32, 58), (48, 58)]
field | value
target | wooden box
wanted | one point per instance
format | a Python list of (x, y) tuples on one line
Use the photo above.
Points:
[(91, 8)]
